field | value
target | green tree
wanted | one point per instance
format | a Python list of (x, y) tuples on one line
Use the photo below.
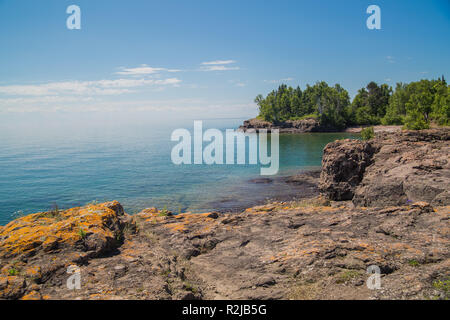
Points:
[(370, 104), (396, 110), (420, 105), (441, 103)]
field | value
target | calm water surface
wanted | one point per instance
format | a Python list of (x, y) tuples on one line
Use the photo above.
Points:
[(72, 167)]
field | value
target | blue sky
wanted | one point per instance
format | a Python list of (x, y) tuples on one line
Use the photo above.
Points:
[(204, 59)]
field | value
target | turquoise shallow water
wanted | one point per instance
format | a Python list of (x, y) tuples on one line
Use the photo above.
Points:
[(72, 167)]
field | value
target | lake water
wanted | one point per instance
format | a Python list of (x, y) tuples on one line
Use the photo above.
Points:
[(71, 167)]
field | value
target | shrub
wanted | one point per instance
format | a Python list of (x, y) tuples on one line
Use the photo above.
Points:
[(368, 133), (13, 272), (413, 263), (82, 233)]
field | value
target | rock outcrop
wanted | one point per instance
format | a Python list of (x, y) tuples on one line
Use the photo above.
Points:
[(35, 248), (392, 169), (311, 249), (343, 165), (289, 126)]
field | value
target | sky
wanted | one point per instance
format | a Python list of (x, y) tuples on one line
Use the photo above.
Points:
[(204, 59)]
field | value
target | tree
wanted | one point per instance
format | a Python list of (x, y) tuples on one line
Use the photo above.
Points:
[(370, 104), (420, 106), (441, 103), (396, 110)]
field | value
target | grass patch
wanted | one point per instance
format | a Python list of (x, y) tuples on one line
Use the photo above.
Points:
[(164, 212), (13, 272), (190, 287), (306, 117), (129, 229), (347, 275), (413, 263), (82, 233), (55, 214), (443, 286), (307, 290)]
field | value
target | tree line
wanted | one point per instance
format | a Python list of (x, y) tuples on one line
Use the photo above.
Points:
[(415, 105)]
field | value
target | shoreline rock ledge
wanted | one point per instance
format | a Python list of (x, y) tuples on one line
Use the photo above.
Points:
[(289, 126), (395, 168)]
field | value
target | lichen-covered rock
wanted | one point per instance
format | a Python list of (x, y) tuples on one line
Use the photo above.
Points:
[(93, 227), (12, 287), (39, 247), (310, 249)]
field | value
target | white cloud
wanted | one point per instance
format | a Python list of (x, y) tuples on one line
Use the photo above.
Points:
[(279, 80), (143, 70), (190, 107), (218, 62), (238, 83), (390, 59), (218, 68), (100, 87), (218, 65)]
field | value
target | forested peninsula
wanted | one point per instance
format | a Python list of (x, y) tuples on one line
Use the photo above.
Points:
[(320, 107)]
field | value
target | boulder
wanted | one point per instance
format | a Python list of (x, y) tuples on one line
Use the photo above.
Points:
[(343, 165), (92, 228)]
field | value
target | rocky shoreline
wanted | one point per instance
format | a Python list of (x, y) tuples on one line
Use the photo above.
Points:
[(306, 126), (289, 126), (384, 202)]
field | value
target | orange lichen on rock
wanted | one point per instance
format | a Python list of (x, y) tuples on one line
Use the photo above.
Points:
[(176, 226), (56, 229), (33, 295), (11, 286), (33, 272), (200, 222), (148, 213)]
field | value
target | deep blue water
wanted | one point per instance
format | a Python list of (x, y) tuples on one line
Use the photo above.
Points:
[(71, 167)]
